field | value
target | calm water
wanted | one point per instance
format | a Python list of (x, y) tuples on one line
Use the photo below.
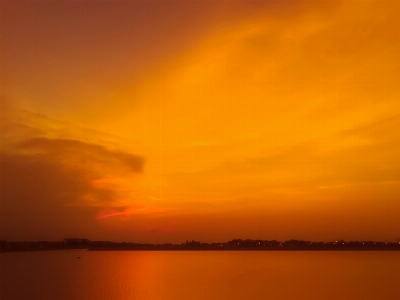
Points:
[(199, 275)]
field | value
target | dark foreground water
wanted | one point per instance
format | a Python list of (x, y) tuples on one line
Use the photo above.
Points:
[(199, 275)]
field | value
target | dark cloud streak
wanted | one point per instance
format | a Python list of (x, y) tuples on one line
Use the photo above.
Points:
[(90, 153), (48, 191)]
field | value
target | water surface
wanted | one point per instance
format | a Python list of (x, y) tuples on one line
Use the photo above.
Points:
[(175, 275)]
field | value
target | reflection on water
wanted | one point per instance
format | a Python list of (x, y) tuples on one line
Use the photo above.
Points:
[(199, 275)]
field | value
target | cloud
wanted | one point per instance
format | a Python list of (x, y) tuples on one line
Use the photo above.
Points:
[(82, 153), (36, 195), (54, 187), (344, 164), (379, 130)]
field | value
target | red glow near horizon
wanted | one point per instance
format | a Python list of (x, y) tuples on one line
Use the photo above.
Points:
[(107, 214)]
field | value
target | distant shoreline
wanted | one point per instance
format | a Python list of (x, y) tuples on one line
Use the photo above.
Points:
[(209, 250), (234, 245), (243, 249)]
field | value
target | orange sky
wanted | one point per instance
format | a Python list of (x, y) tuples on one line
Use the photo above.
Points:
[(162, 121)]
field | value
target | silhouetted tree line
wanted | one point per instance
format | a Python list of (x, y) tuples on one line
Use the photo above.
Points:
[(308, 245), (236, 244)]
